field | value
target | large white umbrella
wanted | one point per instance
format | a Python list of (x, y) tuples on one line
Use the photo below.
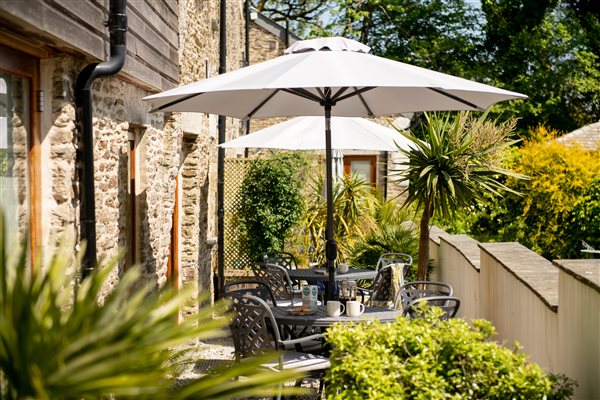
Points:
[(329, 77), (307, 133)]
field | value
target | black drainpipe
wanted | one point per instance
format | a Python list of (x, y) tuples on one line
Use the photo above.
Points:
[(117, 26), (221, 157), (247, 59)]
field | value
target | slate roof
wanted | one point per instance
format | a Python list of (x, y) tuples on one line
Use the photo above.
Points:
[(588, 137)]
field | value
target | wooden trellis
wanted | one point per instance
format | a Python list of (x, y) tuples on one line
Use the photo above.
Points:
[(234, 255)]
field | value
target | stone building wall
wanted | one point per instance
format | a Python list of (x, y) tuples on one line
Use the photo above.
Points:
[(264, 46), (199, 59), (175, 155), (114, 115), (59, 147)]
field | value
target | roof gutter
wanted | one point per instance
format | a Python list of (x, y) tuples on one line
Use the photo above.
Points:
[(117, 26)]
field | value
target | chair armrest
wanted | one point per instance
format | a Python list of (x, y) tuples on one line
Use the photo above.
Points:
[(363, 292)]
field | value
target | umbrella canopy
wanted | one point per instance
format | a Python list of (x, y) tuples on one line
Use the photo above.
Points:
[(361, 85), (329, 76), (307, 133)]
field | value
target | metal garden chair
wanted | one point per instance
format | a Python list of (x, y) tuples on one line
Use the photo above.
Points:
[(278, 280), (448, 304), (395, 258), (414, 290), (254, 332)]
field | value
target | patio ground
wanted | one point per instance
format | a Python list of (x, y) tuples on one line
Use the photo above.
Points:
[(217, 352)]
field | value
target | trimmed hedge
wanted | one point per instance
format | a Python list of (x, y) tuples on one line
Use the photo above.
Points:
[(426, 358)]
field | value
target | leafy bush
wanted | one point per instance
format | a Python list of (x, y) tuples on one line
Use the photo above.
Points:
[(392, 233), (271, 201), (353, 205), (584, 217), (426, 358), (59, 341), (559, 204)]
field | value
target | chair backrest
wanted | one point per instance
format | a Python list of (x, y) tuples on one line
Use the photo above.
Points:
[(448, 304), (276, 278), (253, 328), (395, 258), (386, 286), (411, 291), (281, 258), (250, 287)]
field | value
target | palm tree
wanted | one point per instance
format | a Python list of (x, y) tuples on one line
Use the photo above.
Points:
[(456, 163)]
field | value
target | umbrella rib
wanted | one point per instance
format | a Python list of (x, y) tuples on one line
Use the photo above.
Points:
[(339, 93), (303, 93), (453, 97), (356, 92), (362, 100), (258, 107), (181, 100)]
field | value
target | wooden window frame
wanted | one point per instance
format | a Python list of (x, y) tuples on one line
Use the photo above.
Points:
[(23, 65), (373, 165)]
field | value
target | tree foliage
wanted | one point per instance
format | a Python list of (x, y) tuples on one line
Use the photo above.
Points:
[(425, 358), (548, 49), (559, 204), (271, 201)]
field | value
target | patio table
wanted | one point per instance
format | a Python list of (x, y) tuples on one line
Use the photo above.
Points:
[(320, 274), (321, 319)]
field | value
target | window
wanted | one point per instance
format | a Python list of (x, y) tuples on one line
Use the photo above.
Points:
[(363, 166), (19, 148)]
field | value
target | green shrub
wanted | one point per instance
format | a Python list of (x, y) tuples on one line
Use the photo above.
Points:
[(392, 233), (426, 358), (271, 201), (584, 217), (353, 207), (559, 206)]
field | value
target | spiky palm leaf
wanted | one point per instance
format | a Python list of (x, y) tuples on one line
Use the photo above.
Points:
[(59, 341), (456, 163), (353, 203)]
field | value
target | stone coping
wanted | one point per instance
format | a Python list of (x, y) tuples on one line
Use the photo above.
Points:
[(436, 233), (587, 271), (531, 269), (466, 246)]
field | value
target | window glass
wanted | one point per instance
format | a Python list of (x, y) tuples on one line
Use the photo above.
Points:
[(14, 153), (362, 168)]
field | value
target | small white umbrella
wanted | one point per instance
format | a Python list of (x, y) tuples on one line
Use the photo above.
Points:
[(329, 77), (306, 133)]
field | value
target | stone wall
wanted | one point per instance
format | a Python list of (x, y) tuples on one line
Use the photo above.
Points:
[(264, 46), (157, 159), (199, 59), (175, 155)]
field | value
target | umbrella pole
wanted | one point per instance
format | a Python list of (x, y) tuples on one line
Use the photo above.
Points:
[(331, 245)]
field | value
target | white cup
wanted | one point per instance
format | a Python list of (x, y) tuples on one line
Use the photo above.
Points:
[(335, 308), (343, 268), (354, 308)]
